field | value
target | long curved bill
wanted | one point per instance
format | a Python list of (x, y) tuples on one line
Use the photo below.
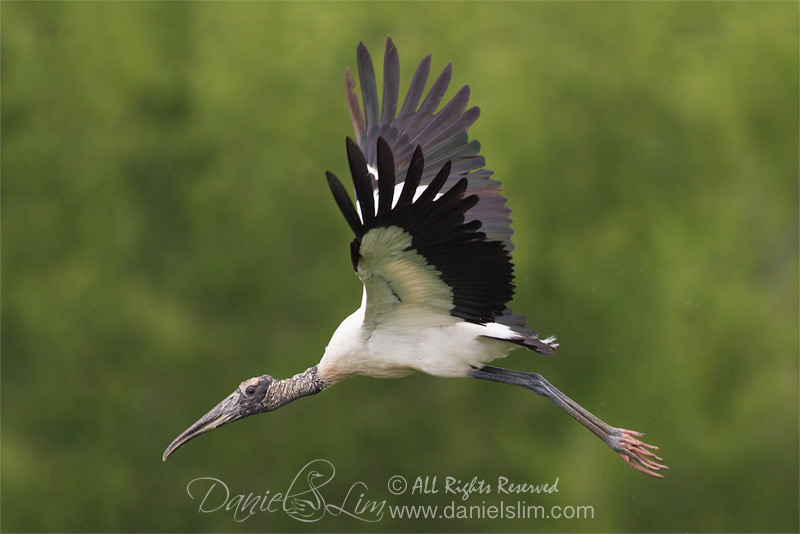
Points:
[(225, 412)]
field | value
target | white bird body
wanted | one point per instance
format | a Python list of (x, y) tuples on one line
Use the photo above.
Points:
[(433, 249), (449, 351)]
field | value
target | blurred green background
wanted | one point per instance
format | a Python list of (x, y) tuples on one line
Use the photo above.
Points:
[(167, 232)]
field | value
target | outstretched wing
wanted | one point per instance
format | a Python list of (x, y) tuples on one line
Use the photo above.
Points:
[(442, 135), (432, 245)]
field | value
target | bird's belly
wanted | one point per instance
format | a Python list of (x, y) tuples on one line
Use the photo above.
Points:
[(446, 351)]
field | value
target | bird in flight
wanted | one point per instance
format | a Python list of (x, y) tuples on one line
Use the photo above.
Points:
[(433, 249)]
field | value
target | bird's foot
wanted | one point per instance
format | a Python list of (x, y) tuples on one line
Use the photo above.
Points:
[(636, 453)]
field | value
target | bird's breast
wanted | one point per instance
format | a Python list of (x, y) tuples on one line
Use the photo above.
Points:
[(449, 350)]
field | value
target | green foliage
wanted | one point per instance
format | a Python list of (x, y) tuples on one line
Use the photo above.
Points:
[(167, 233)]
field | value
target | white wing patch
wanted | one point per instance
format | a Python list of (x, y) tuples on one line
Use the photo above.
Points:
[(398, 189), (402, 290)]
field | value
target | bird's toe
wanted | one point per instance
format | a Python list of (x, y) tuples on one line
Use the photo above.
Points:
[(637, 453)]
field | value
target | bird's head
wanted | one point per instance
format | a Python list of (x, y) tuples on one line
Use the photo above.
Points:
[(255, 395)]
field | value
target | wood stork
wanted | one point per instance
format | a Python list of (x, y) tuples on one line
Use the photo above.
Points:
[(433, 249)]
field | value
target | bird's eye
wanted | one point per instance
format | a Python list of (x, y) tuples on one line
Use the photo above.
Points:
[(250, 390)]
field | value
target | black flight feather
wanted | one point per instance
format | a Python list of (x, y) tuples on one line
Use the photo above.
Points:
[(362, 182), (385, 176), (391, 82), (345, 204), (412, 179)]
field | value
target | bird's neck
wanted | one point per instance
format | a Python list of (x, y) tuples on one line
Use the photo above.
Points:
[(300, 385)]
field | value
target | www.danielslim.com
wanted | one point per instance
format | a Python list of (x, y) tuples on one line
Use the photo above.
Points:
[(503, 510)]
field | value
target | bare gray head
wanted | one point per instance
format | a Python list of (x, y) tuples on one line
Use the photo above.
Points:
[(256, 395)]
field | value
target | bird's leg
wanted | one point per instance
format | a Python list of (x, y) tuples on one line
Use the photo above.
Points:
[(636, 453)]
